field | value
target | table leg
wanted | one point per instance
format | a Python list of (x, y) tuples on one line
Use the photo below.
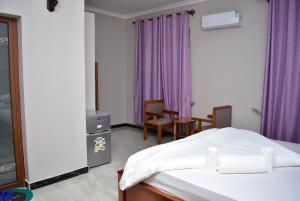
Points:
[(145, 132), (159, 135), (186, 125), (175, 132)]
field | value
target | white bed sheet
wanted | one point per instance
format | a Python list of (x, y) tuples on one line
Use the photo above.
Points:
[(282, 184)]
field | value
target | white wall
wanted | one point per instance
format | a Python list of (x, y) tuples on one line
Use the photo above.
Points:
[(90, 61), (130, 71), (227, 65), (111, 55), (53, 84)]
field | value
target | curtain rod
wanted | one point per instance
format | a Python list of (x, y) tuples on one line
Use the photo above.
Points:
[(191, 12)]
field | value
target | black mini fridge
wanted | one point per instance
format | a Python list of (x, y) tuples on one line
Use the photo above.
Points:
[(98, 138)]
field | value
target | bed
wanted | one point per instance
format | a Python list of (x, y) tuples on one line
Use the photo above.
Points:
[(282, 184)]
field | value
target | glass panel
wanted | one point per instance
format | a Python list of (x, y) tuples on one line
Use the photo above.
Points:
[(7, 153)]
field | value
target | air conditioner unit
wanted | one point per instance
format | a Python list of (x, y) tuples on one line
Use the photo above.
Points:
[(221, 20)]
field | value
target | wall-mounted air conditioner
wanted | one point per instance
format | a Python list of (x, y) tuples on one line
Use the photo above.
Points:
[(221, 20)]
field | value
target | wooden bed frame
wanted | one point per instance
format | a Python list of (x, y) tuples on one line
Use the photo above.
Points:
[(143, 192)]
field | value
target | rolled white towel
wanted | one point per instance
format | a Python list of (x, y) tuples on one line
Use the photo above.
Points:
[(268, 153), (242, 164), (213, 154), (212, 158)]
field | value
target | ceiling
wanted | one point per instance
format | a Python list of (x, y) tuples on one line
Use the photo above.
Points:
[(132, 8)]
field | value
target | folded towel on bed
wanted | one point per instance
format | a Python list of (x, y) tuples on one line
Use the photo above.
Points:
[(212, 158), (268, 153), (213, 154), (242, 164), (246, 164)]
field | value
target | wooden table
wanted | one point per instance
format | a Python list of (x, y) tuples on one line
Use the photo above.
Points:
[(186, 123)]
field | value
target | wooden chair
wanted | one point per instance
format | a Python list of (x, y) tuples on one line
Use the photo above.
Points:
[(154, 117), (220, 118)]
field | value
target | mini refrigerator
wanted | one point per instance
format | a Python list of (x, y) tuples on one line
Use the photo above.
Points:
[(98, 138)]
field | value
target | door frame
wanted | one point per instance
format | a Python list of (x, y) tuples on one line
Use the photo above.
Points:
[(15, 101)]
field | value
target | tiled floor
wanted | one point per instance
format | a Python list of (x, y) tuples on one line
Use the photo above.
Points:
[(100, 184)]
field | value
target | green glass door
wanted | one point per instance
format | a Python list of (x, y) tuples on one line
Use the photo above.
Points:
[(7, 149)]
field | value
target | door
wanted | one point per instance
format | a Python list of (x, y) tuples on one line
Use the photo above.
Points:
[(11, 149)]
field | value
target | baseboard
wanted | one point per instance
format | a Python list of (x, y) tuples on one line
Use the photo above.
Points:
[(118, 125), (134, 126), (56, 179), (27, 185), (127, 125)]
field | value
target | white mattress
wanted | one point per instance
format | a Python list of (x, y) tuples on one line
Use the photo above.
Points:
[(282, 184)]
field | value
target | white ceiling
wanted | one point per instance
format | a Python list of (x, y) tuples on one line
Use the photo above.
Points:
[(132, 8)]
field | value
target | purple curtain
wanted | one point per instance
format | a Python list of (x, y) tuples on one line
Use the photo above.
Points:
[(148, 79), (162, 68), (281, 99)]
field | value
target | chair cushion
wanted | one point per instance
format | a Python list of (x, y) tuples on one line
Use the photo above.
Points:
[(160, 121)]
